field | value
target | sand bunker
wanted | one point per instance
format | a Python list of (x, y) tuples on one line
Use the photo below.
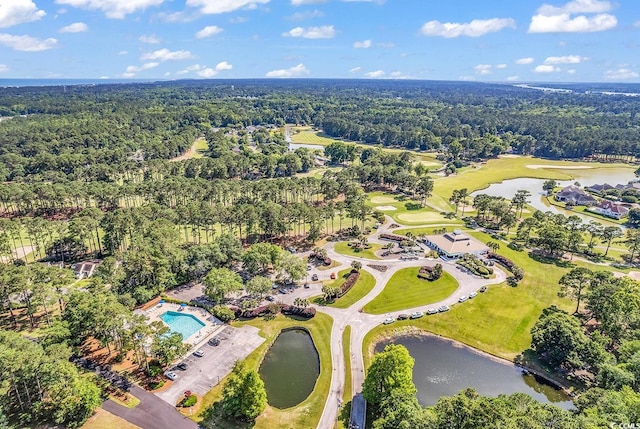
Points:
[(385, 208), (559, 167), (635, 275)]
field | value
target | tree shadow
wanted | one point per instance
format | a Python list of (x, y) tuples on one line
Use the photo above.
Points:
[(548, 260), (413, 206), (345, 414), (213, 417)]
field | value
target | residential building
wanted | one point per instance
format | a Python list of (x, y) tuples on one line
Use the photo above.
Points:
[(610, 209), (575, 196)]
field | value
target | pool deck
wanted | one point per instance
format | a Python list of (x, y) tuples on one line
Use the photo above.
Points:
[(211, 328)]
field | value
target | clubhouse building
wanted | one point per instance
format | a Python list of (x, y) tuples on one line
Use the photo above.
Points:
[(452, 245)]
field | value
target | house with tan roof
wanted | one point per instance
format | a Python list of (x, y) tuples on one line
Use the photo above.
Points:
[(610, 209), (452, 245)]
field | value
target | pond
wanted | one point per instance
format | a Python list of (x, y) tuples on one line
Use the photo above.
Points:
[(290, 369), (444, 368), (585, 177)]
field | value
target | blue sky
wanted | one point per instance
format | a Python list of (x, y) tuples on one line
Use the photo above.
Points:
[(484, 40)]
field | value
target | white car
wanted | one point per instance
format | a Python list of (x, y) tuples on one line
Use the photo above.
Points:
[(388, 320), (417, 315), (171, 375), (463, 298), (432, 311), (198, 353), (473, 295)]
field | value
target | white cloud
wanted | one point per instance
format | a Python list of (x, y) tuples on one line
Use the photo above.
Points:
[(620, 74), (145, 66), (123, 53), (3, 68), (27, 43), (375, 74), (301, 2), (483, 69), (301, 16), (567, 59), (501, 66), (552, 19), (223, 6), (297, 71), (323, 32), (117, 9), (475, 28), (513, 78), (355, 69), (636, 24), (13, 12), (223, 66), (167, 55), (150, 39), (546, 68), (527, 60), (76, 27), (208, 31), (365, 44)]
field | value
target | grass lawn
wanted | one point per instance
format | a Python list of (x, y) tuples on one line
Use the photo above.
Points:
[(306, 414), (347, 392), (500, 320), (429, 230), (406, 290), (343, 248), (363, 286), (105, 420), (406, 210)]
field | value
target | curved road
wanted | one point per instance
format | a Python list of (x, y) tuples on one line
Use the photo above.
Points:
[(361, 323)]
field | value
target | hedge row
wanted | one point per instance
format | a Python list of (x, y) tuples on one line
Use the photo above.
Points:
[(263, 310), (508, 263), (349, 282), (392, 237)]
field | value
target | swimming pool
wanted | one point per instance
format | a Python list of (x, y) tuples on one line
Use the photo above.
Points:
[(185, 324)]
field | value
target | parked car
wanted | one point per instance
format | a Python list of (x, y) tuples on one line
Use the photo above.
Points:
[(463, 298), (213, 341), (473, 295), (306, 285), (284, 291), (403, 316), (483, 289), (417, 315), (171, 375), (309, 267), (270, 298), (314, 277), (333, 276), (388, 320), (432, 311), (198, 353), (443, 308), (183, 366), (291, 249)]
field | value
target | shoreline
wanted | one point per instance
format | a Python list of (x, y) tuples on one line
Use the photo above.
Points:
[(412, 331)]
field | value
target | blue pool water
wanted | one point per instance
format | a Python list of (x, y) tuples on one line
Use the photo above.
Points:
[(185, 324)]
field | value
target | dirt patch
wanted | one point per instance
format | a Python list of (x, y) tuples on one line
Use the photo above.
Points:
[(190, 153), (559, 167), (385, 208), (635, 275)]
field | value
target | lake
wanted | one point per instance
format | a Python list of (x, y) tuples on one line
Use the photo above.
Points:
[(290, 369), (444, 368), (585, 177)]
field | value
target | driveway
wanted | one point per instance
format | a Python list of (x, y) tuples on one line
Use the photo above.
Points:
[(206, 372), (151, 413)]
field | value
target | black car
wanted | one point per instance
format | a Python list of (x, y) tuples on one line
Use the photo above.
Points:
[(214, 342), (403, 316), (183, 366), (314, 277), (270, 298)]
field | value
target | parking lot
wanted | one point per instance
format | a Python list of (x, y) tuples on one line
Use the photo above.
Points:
[(205, 372)]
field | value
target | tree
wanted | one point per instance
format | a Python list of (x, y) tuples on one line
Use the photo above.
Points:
[(548, 186), (167, 346), (262, 255), (520, 200), (356, 265), (244, 394), (220, 283), (301, 302), (610, 233), (574, 283), (632, 241), (390, 371), (558, 339), (258, 285), (634, 218), (293, 267), (424, 188), (493, 245), (455, 198)]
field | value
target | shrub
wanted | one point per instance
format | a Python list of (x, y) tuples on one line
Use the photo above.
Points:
[(506, 262), (224, 314), (430, 273), (433, 254), (189, 401), (154, 370), (307, 312), (349, 282), (475, 265), (391, 237), (156, 384)]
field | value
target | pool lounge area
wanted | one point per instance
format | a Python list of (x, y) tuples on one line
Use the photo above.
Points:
[(195, 324)]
